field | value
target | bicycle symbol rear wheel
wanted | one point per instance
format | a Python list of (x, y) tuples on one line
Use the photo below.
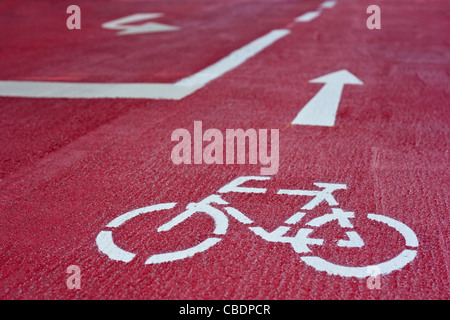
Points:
[(396, 263)]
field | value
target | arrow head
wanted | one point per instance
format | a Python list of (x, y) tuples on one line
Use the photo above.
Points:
[(342, 77)]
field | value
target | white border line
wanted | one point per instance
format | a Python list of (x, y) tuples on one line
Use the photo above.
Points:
[(175, 91), (308, 16), (169, 91)]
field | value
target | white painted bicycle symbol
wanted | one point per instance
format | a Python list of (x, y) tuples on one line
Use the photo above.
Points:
[(301, 242)]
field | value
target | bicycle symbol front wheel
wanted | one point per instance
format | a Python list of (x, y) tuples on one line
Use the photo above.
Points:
[(105, 242)]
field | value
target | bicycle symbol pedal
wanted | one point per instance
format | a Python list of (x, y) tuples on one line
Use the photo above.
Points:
[(300, 243)]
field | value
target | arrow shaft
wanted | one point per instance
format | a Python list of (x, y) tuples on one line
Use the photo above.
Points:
[(322, 108)]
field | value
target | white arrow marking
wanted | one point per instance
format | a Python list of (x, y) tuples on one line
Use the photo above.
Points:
[(321, 109), (149, 27)]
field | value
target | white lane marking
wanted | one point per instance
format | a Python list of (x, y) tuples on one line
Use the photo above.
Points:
[(47, 89), (233, 60), (175, 91), (405, 257), (308, 16), (328, 4), (179, 255), (322, 108), (149, 27), (169, 91), (311, 15)]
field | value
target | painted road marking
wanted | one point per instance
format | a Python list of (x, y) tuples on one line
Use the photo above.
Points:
[(322, 108), (405, 257), (73, 90), (239, 216), (235, 185), (105, 244), (233, 60), (354, 240), (295, 218), (169, 91), (183, 254), (328, 4), (149, 27), (175, 91), (308, 16), (401, 260), (300, 242), (311, 15), (104, 239), (319, 196)]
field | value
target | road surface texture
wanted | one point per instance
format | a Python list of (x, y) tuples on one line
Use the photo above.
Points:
[(92, 205)]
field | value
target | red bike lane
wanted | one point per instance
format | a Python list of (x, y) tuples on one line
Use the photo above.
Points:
[(71, 166)]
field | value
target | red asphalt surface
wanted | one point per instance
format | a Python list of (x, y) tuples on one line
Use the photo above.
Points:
[(70, 166)]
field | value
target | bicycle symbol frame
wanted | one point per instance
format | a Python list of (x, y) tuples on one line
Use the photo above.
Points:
[(300, 242)]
